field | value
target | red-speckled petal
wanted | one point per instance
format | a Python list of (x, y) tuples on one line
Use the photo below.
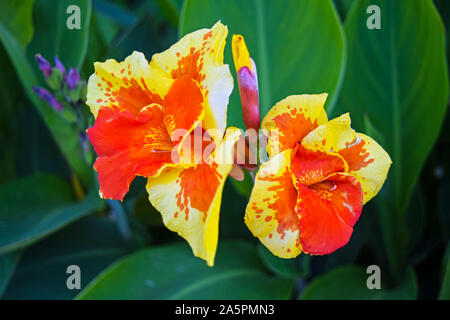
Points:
[(291, 119), (128, 146), (270, 213), (327, 212), (129, 85)]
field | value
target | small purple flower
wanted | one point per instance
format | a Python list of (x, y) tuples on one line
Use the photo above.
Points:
[(59, 65), (73, 78), (49, 98), (44, 65)]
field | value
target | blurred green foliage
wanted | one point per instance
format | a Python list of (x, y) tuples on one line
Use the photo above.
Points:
[(394, 82)]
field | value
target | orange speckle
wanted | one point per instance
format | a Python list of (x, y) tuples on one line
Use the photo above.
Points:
[(207, 35), (284, 201), (293, 126), (356, 156), (198, 195)]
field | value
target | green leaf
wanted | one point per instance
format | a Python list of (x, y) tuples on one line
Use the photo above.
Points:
[(54, 38), (343, 6), (65, 135), (349, 283), (15, 16), (445, 288), (8, 263), (172, 272), (91, 243), (288, 268), (401, 85), (298, 47), (36, 206), (170, 10)]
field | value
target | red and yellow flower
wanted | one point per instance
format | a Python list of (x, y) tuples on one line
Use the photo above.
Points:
[(310, 193), (147, 114)]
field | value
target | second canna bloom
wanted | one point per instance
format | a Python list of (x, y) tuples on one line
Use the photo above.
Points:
[(310, 194), (147, 115)]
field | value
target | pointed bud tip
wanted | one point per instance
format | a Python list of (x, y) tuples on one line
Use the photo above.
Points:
[(241, 56), (43, 64), (60, 66), (73, 78)]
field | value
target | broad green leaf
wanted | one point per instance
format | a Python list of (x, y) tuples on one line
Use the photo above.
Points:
[(445, 288), (114, 12), (343, 6), (91, 243), (288, 268), (172, 272), (64, 134), (33, 207), (54, 38), (16, 16), (298, 47), (401, 85), (8, 263), (10, 97), (350, 283), (170, 10)]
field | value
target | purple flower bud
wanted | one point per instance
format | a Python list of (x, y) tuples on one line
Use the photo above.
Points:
[(73, 78), (59, 65), (44, 65), (49, 98), (248, 89)]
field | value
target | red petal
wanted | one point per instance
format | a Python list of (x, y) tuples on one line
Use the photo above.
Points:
[(128, 146), (311, 167), (327, 212), (183, 107)]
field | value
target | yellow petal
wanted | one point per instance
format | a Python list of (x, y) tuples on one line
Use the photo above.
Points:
[(291, 119), (189, 199), (130, 85), (366, 159), (270, 213), (369, 163), (200, 55), (241, 56), (331, 136)]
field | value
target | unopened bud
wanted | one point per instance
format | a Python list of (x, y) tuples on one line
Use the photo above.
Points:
[(60, 66), (49, 98), (55, 80), (44, 65), (248, 89), (73, 78)]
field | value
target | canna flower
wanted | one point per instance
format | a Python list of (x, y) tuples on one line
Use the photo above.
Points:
[(147, 114), (247, 82), (310, 193)]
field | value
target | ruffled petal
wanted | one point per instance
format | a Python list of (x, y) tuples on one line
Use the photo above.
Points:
[(128, 146), (189, 199), (291, 119), (368, 162), (128, 85), (327, 212), (183, 108), (366, 159), (200, 56), (310, 167), (270, 213)]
